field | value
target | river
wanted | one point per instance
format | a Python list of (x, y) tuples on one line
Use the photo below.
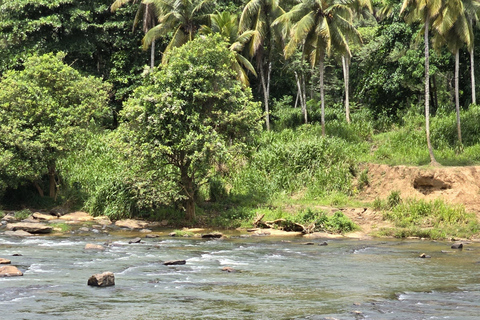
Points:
[(276, 278)]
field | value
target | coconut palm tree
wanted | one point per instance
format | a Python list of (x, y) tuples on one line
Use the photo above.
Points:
[(455, 33), (426, 12), (182, 17), (147, 13), (226, 24), (318, 26), (472, 11), (258, 16), (360, 7)]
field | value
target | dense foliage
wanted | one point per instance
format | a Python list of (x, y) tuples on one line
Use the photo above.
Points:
[(42, 108), (88, 112)]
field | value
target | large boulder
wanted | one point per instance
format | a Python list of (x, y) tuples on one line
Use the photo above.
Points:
[(18, 233), (10, 218), (131, 224), (43, 216), (30, 227), (103, 220), (78, 216), (105, 279), (10, 271), (4, 261)]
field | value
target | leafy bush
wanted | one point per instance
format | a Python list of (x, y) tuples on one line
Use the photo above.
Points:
[(101, 180), (336, 223)]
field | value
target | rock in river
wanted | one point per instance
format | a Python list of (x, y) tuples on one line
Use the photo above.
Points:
[(135, 240), (18, 233), (4, 261), (10, 271), (91, 246), (457, 246), (43, 216), (105, 279), (174, 262), (131, 224), (29, 227), (214, 235)]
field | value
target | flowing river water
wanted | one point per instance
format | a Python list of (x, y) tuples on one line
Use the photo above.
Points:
[(276, 278)]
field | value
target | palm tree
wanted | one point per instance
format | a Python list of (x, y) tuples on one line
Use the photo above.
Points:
[(426, 12), (472, 10), (258, 16), (360, 7), (226, 24), (147, 13), (317, 26), (182, 17), (455, 35)]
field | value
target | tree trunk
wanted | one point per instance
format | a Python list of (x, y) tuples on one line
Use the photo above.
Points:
[(457, 96), (302, 97), (39, 189), (472, 75), (346, 77), (322, 93), (434, 95), (52, 182), (152, 55), (265, 93), (433, 161), (189, 191)]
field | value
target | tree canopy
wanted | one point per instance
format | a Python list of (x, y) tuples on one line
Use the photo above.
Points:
[(41, 108), (190, 113)]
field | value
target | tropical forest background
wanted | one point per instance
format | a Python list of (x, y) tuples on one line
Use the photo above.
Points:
[(210, 111)]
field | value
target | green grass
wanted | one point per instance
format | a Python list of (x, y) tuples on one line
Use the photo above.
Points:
[(430, 219), (62, 226), (22, 214)]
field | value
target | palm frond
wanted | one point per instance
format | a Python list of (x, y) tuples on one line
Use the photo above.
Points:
[(117, 4)]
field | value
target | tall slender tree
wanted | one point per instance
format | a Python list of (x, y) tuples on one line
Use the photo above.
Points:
[(258, 15), (472, 11), (455, 32), (147, 13), (360, 7), (427, 13), (317, 26)]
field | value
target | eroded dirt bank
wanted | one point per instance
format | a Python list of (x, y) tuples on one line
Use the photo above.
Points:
[(455, 185)]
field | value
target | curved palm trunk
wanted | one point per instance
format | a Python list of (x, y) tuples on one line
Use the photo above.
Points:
[(457, 96), (472, 76), (322, 93), (433, 161), (346, 77)]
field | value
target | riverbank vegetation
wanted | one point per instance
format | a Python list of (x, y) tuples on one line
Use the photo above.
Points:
[(176, 132)]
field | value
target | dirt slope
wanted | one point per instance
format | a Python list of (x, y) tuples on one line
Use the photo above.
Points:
[(455, 185)]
